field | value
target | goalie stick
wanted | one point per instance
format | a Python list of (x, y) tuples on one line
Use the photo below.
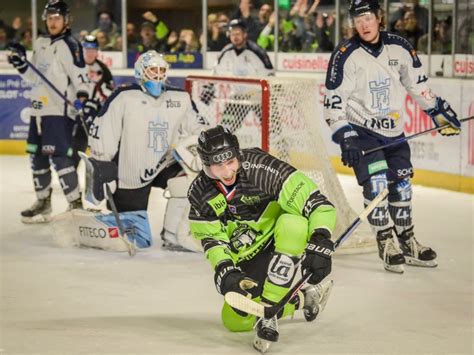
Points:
[(405, 139), (247, 305)]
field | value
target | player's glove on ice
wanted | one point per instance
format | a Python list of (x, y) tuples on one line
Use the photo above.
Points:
[(229, 277), (318, 256), (348, 139), (17, 57), (442, 114)]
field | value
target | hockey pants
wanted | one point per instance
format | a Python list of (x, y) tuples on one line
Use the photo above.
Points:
[(290, 240)]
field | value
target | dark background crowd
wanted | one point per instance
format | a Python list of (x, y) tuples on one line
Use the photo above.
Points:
[(303, 26)]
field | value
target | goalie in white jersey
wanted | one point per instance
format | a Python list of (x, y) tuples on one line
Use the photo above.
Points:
[(365, 90), (140, 128)]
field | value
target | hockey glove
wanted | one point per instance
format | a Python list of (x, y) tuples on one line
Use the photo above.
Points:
[(318, 257), (207, 93), (229, 277), (351, 153), (17, 57), (90, 109), (442, 114)]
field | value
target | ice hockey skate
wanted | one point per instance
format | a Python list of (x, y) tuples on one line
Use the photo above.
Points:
[(416, 254), (389, 252), (267, 333), (75, 205), (315, 299), (39, 212)]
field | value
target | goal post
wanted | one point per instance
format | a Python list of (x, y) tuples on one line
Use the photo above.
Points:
[(281, 116)]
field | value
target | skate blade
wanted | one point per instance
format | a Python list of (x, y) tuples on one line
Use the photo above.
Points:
[(38, 219), (325, 292), (398, 269), (422, 263), (175, 247), (261, 345)]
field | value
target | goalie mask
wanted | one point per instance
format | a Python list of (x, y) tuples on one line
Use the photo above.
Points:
[(216, 146), (151, 71)]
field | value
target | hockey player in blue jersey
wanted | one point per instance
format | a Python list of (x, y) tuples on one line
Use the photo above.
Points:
[(366, 81)]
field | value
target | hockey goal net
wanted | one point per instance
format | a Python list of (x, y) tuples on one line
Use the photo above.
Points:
[(280, 115)]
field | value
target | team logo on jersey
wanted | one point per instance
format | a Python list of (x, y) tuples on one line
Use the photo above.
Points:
[(158, 136), (172, 104), (421, 79), (393, 62), (380, 91), (148, 175)]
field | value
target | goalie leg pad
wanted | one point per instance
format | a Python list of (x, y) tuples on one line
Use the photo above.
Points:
[(96, 230), (176, 234)]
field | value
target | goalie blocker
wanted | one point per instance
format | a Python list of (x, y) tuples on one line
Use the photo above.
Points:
[(98, 173)]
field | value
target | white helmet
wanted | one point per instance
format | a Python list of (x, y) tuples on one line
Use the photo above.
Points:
[(151, 71)]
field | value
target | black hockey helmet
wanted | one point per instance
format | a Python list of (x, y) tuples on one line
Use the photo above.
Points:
[(56, 7), (237, 23), (217, 145), (359, 7), (90, 42)]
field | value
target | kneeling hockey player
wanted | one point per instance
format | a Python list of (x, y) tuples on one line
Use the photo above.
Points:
[(255, 217)]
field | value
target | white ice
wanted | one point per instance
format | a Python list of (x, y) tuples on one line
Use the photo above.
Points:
[(71, 301)]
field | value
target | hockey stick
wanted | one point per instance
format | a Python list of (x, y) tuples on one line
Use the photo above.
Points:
[(132, 249), (405, 139), (247, 305), (55, 89)]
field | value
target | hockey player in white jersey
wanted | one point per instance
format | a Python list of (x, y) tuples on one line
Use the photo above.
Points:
[(140, 128), (58, 56), (365, 91)]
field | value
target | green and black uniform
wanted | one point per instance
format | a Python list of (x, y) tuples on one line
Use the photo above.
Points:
[(280, 208)]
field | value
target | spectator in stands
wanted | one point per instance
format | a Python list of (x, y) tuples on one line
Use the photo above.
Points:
[(149, 40), (108, 27), (411, 31), (132, 37), (160, 29), (3, 37), (244, 13), (217, 28), (104, 42), (421, 15), (187, 42), (441, 43), (27, 39), (465, 36), (316, 36)]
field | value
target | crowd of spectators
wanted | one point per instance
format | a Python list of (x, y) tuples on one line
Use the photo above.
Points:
[(303, 27)]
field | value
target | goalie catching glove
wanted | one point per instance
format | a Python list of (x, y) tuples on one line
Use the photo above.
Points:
[(442, 114), (229, 277), (318, 256)]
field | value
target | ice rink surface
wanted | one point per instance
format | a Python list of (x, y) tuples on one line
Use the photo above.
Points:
[(84, 301)]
